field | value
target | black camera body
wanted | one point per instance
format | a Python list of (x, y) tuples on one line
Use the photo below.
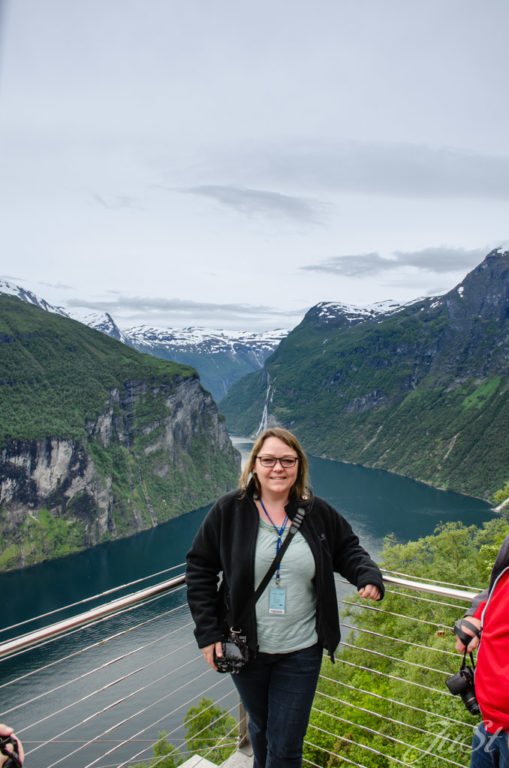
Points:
[(462, 684), (235, 654)]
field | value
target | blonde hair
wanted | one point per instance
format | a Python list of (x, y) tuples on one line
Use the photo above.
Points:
[(248, 479)]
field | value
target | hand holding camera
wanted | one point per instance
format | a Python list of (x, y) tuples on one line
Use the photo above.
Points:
[(235, 654), (11, 751), (468, 634), (230, 655)]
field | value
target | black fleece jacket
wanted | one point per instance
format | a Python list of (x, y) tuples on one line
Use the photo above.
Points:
[(225, 544)]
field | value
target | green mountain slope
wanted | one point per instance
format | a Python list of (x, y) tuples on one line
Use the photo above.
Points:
[(96, 440), (422, 392)]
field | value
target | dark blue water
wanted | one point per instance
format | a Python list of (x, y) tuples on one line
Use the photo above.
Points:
[(42, 588), (378, 503)]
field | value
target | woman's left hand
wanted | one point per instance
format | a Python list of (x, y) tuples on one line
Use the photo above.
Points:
[(6, 731), (370, 592)]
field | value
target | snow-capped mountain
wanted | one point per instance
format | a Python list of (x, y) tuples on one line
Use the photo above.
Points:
[(16, 290), (103, 321), (215, 341), (337, 314), (220, 356)]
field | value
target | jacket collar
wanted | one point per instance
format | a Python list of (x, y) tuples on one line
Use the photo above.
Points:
[(501, 561), (292, 506)]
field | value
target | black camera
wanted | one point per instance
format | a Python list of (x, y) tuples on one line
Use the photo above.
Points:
[(462, 684), (235, 654)]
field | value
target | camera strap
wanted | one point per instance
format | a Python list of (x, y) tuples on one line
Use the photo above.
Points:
[(464, 662), (296, 523)]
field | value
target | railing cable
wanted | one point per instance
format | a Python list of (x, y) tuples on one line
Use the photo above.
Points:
[(386, 736), (107, 686), (413, 619), (384, 716), (355, 744), (92, 646), (392, 677), (400, 640), (373, 652), (409, 596), (214, 685), (404, 704), (116, 703)]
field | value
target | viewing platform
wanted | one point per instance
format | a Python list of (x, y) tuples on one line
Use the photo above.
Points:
[(118, 681)]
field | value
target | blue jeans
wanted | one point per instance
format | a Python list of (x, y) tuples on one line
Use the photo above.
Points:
[(488, 750), (277, 691)]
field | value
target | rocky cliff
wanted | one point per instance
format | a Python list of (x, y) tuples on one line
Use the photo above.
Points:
[(111, 460)]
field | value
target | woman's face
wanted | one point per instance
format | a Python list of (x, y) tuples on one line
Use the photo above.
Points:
[(276, 480)]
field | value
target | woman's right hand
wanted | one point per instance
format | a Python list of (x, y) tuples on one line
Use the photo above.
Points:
[(208, 653)]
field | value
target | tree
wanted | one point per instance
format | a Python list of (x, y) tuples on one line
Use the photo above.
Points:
[(166, 755), (210, 731)]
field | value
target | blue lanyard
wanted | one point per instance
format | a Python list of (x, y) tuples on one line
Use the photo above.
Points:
[(279, 534)]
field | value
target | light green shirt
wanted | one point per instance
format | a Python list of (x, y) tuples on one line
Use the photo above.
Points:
[(295, 629)]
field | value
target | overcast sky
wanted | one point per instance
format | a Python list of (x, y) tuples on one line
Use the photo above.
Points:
[(228, 163)]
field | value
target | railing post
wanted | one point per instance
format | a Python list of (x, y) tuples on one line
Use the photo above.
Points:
[(244, 740)]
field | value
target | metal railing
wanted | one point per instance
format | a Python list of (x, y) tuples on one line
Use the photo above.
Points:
[(97, 688)]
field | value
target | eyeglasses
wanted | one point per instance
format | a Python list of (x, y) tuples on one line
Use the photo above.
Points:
[(271, 461)]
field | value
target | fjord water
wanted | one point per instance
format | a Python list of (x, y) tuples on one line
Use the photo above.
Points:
[(375, 502)]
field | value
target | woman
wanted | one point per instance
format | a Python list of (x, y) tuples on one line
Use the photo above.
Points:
[(296, 616)]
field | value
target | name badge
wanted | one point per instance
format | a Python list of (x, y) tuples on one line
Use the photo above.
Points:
[(277, 602)]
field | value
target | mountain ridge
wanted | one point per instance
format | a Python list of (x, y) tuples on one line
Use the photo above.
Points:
[(220, 356), (421, 391)]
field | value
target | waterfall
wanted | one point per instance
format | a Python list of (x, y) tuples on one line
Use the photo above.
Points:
[(265, 413)]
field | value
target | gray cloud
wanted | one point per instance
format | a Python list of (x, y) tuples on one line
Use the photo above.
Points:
[(186, 310), (437, 260), (353, 266), (58, 286), (395, 170), (261, 202), (13, 278), (20, 280), (116, 202), (441, 259)]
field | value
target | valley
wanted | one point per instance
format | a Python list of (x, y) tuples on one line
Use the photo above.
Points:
[(100, 440)]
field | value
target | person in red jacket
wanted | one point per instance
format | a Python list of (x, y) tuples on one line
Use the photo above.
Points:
[(487, 623)]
